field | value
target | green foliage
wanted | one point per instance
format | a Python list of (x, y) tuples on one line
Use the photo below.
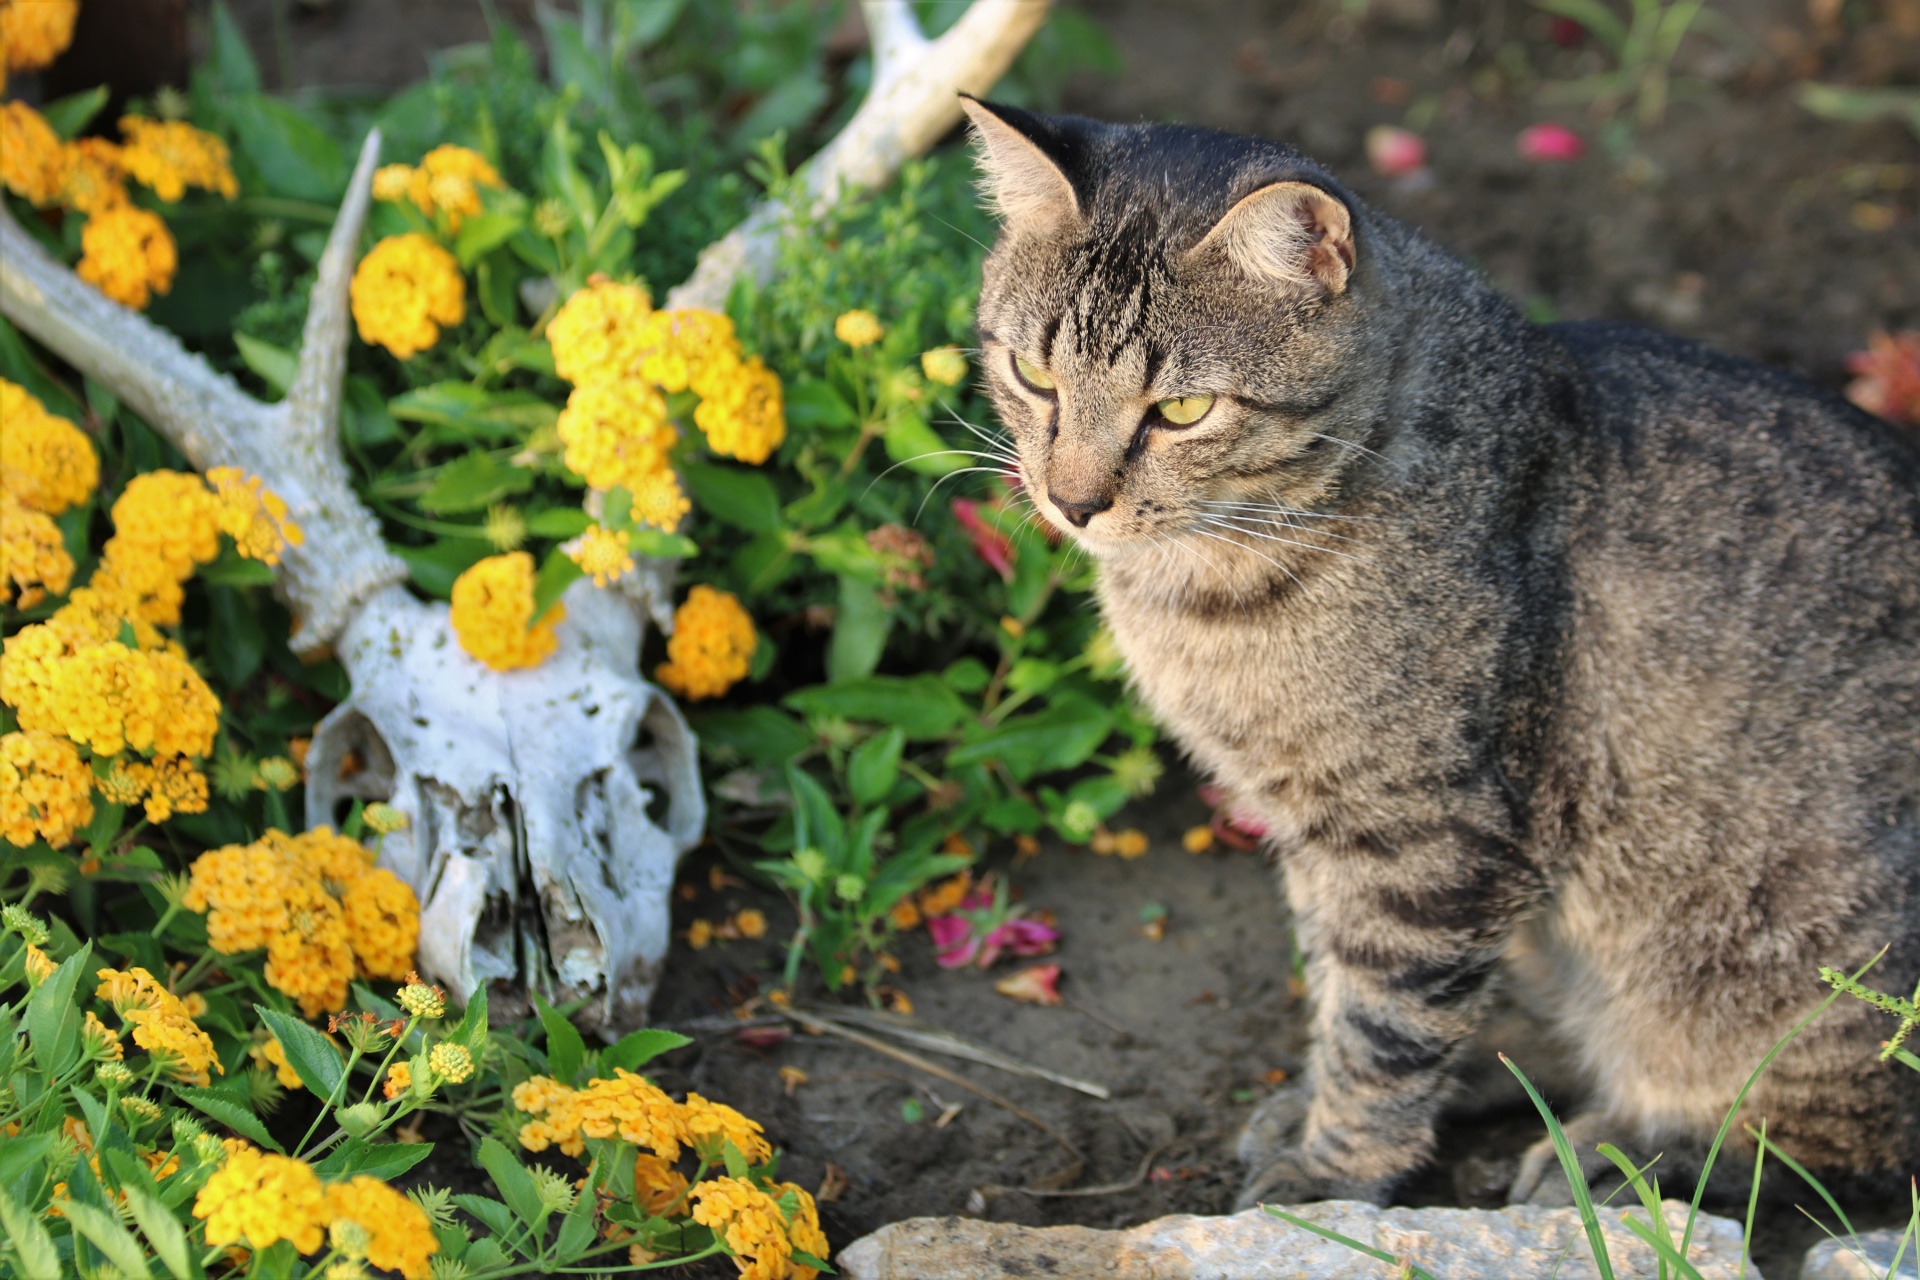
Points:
[(1642, 43)]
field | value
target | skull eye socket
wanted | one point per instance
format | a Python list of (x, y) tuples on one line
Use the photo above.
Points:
[(1032, 376), (1184, 411)]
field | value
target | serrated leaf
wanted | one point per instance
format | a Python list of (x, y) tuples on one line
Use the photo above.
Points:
[(565, 1048), (637, 1048), (310, 1054), (54, 1016), (231, 1114), (513, 1181), (106, 1234), (32, 1247), (473, 482), (162, 1230)]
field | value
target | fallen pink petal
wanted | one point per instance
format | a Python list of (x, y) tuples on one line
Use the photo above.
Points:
[(1395, 152), (1550, 144), (954, 945), (1036, 984), (1019, 937)]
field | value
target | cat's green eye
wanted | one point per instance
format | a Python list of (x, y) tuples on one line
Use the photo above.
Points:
[(1186, 410), (1036, 378)]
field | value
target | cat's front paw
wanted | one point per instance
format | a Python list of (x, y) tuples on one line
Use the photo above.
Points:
[(1277, 1170)]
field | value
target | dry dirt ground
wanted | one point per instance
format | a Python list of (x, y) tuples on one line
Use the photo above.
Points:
[(1739, 219)]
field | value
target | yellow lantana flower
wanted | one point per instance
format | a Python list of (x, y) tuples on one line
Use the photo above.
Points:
[(258, 1199), (447, 180), (616, 433), (712, 645), (398, 1235), (45, 788), (493, 614), (171, 155), (33, 556), (383, 923), (711, 1125), (161, 1024), (742, 414), (858, 328), (944, 365), (128, 254), (602, 554), (30, 152), (659, 501), (34, 32), (91, 176), (253, 516), (628, 1106), (598, 334), (751, 1224), (404, 292)]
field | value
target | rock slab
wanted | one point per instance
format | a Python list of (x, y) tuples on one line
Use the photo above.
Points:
[(1833, 1260), (1520, 1243)]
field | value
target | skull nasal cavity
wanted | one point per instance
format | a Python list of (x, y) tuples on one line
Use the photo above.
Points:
[(1080, 510)]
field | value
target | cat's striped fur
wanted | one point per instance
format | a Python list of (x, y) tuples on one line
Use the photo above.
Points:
[(1579, 650)]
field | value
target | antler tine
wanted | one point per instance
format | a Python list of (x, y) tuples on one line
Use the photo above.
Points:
[(912, 104), (895, 34), (313, 401), (207, 417)]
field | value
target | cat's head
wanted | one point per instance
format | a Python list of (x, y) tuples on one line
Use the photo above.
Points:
[(1167, 322)]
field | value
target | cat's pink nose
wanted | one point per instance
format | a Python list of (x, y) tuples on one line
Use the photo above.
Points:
[(1078, 512)]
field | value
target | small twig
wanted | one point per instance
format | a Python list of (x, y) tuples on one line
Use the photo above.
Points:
[(1107, 1189), (1099, 1017), (825, 1026), (960, 1047)]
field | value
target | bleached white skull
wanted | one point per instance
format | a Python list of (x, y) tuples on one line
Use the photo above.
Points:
[(546, 807)]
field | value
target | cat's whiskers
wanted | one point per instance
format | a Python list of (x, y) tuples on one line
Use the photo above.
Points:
[(1236, 543), (1222, 523), (1280, 520)]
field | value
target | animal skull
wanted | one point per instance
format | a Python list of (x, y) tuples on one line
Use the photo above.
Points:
[(547, 807)]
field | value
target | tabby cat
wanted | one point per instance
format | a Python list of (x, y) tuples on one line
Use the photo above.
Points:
[(1576, 652)]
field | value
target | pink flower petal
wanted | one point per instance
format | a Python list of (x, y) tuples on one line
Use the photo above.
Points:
[(953, 942), (1550, 143), (1395, 152), (989, 543), (1036, 984)]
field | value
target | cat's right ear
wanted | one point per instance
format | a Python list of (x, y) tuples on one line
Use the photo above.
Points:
[(1291, 233), (1021, 181)]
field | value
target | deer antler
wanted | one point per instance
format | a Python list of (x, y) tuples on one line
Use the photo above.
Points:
[(293, 446), (912, 104)]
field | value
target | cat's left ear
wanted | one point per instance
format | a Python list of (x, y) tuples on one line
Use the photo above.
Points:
[(1288, 232)]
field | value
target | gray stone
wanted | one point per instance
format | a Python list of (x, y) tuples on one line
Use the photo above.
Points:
[(1520, 1243), (1832, 1260)]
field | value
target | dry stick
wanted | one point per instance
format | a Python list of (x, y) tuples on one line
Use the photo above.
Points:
[(817, 1025), (1108, 1189), (960, 1047)]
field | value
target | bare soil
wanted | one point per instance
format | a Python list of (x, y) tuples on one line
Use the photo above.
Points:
[(1739, 219)]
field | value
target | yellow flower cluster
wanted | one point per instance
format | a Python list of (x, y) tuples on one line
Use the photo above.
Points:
[(257, 1200), (711, 648), (318, 906), (760, 1236), (602, 554), (127, 254), (46, 789), (254, 516), (623, 358), (404, 292), (161, 1024), (271, 1055), (47, 465), (628, 1107), (858, 328), (447, 180), (33, 33), (493, 614), (171, 155), (657, 1185)]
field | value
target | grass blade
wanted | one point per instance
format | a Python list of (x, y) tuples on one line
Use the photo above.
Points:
[(1713, 1152), (1328, 1233), (1570, 1165), (1650, 1201), (1753, 1200)]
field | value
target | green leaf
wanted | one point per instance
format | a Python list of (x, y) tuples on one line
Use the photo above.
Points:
[(557, 573), (383, 1160), (875, 765), (106, 1234), (231, 58), (739, 497), (760, 734), (162, 1229), (493, 1215), (816, 822), (28, 1241), (1570, 1166), (310, 1054), (922, 706), (275, 365), (471, 1033), (565, 1048), (559, 522), (515, 1183), (231, 1114), (860, 630), (918, 447), (236, 640), (54, 1016), (659, 545), (18, 1154), (294, 155), (484, 232), (637, 1048), (1328, 1233), (810, 403), (435, 566), (1060, 737), (69, 115), (576, 1231), (473, 483), (967, 675)]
